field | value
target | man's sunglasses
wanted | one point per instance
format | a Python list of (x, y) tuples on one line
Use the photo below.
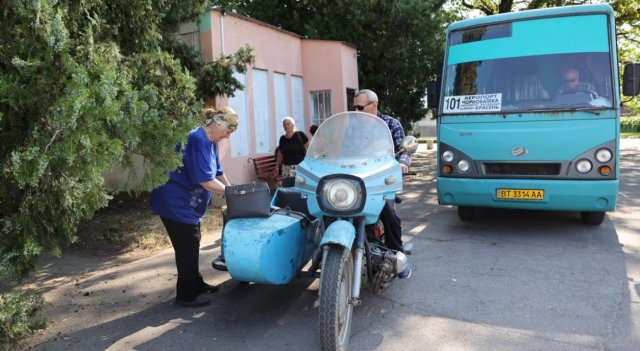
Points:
[(361, 107)]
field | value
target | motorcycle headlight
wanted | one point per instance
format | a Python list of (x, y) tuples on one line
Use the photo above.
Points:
[(343, 194)]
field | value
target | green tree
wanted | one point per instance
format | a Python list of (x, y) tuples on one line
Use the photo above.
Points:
[(84, 84), (398, 41)]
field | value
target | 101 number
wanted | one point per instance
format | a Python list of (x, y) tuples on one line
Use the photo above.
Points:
[(451, 103)]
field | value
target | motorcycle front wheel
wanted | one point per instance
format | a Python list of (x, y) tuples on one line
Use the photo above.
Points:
[(335, 310)]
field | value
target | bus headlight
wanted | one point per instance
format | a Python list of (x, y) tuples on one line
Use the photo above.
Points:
[(583, 166), (447, 156), (463, 166), (341, 194), (603, 155)]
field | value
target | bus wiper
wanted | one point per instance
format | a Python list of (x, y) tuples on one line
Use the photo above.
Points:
[(585, 109)]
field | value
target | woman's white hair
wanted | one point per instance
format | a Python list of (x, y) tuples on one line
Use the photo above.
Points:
[(290, 119)]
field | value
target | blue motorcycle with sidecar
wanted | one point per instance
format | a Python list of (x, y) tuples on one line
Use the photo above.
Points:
[(327, 224)]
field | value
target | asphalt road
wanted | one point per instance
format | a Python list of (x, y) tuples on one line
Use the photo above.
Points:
[(511, 280)]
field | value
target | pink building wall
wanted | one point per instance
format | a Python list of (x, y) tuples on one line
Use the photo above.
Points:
[(323, 65), (339, 69)]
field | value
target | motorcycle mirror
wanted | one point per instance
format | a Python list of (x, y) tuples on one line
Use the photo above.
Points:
[(409, 144)]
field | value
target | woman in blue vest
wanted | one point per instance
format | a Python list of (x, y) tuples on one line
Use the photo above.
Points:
[(183, 200)]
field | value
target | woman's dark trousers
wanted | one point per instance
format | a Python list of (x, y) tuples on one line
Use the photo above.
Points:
[(185, 239)]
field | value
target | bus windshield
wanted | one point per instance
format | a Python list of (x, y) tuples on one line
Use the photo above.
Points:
[(529, 83), (531, 65)]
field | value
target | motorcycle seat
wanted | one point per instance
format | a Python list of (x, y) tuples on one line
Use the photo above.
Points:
[(291, 199)]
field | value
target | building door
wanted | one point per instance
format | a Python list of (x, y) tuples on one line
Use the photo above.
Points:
[(351, 93)]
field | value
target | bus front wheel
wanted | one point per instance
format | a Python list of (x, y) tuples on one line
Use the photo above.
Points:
[(466, 213), (590, 217)]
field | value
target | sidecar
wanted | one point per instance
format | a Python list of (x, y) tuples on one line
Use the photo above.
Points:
[(272, 250)]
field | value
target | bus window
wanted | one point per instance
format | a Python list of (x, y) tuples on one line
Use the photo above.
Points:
[(535, 83)]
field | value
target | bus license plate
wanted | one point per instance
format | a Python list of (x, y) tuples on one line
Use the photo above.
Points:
[(520, 194)]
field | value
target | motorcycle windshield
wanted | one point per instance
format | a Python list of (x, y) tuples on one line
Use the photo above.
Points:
[(351, 135)]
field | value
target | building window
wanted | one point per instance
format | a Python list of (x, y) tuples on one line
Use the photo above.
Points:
[(351, 94), (262, 119), (320, 106), (297, 102), (190, 39), (240, 103), (281, 94)]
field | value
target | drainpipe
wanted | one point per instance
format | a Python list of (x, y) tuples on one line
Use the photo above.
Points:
[(222, 14)]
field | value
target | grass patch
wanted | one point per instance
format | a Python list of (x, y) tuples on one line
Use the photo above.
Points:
[(630, 124), (19, 317), (127, 226), (630, 135)]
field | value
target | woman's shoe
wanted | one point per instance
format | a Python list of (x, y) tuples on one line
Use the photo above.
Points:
[(219, 264), (208, 288), (197, 302)]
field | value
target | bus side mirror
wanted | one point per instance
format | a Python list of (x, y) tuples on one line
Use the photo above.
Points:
[(631, 79), (433, 94)]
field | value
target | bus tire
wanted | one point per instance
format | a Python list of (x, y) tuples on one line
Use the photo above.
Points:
[(466, 213), (592, 217)]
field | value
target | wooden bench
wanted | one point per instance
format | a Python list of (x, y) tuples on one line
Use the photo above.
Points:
[(264, 167)]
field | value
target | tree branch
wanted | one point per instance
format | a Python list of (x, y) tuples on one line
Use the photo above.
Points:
[(630, 36), (505, 6), (469, 6), (487, 8), (53, 138)]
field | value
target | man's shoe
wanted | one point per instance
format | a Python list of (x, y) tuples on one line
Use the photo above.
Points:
[(219, 264), (197, 302), (407, 248), (406, 273), (208, 288)]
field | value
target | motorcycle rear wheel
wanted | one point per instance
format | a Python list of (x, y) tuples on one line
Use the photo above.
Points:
[(336, 312)]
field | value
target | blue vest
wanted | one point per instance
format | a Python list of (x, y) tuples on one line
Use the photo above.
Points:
[(182, 198)]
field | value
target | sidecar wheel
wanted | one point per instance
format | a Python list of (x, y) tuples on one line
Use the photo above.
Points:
[(335, 310)]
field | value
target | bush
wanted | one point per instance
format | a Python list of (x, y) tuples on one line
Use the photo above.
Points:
[(18, 317), (83, 88), (630, 125)]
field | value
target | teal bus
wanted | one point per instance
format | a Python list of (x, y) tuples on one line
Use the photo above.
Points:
[(529, 112)]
